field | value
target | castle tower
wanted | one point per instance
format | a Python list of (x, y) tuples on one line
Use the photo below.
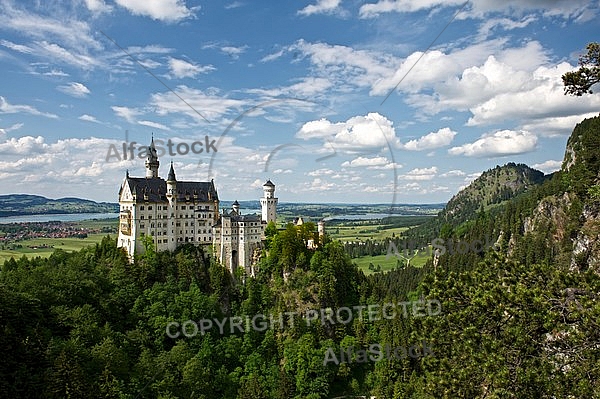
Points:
[(152, 161), (236, 207), (268, 203), (171, 185), (321, 229), (172, 209)]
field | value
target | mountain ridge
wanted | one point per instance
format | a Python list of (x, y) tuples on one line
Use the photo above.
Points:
[(31, 204)]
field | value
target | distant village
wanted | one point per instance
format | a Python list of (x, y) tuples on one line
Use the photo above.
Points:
[(15, 232)]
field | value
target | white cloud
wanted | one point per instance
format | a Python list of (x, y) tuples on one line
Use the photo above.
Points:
[(155, 125), (363, 161), (375, 163), (322, 7), (183, 69), (97, 6), (74, 89), (129, 114), (61, 54), (273, 56), (233, 52), (533, 95), (345, 66), (9, 129), (163, 10), (307, 87), (56, 72), (420, 174), (359, 132), (26, 145), (481, 8), (372, 10), (441, 138), (539, 95), (6, 108), (282, 171), (500, 143), (548, 166), (453, 173), (235, 4), (492, 24), (321, 172), (207, 104), (556, 126), (88, 118), (16, 47), (70, 31)]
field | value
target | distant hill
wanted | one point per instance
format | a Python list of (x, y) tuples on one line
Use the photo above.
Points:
[(492, 190), (493, 187), (26, 204)]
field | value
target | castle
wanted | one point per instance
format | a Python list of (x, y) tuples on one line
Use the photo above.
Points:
[(175, 212)]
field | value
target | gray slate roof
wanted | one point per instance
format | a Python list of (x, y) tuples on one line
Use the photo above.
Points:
[(156, 189)]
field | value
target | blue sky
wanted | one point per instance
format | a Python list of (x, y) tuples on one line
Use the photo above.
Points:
[(295, 91)]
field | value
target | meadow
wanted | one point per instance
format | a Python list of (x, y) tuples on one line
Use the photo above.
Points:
[(375, 231), (45, 246)]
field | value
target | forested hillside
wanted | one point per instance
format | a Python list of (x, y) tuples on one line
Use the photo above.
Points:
[(520, 321)]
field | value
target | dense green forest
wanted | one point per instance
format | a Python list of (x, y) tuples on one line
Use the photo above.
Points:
[(521, 321)]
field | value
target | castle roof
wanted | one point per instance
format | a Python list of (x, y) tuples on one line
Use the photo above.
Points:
[(238, 218), (269, 183), (156, 189), (171, 176)]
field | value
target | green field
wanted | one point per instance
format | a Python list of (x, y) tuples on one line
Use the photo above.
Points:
[(99, 223), (387, 263), (66, 244), (362, 233)]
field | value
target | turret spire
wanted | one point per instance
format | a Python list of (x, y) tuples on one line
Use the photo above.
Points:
[(171, 176), (152, 163)]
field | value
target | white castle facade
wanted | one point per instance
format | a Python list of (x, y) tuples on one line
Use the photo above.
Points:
[(173, 213)]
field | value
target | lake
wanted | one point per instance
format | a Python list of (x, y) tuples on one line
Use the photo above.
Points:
[(364, 216)]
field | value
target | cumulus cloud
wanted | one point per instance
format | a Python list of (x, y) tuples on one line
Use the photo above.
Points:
[(163, 10), (75, 89), (500, 143), (378, 163), (88, 118), (540, 95), (359, 132), (433, 140), (182, 69), (548, 166), (97, 6), (532, 97), (234, 52), (453, 173), (23, 145), (556, 125), (322, 7), (420, 174)]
